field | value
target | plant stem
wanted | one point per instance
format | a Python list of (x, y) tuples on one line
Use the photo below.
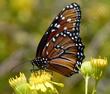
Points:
[(86, 84), (94, 89)]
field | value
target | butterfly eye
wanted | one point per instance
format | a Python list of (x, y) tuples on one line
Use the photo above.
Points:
[(61, 48)]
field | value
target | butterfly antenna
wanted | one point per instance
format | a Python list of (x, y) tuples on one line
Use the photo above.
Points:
[(18, 65)]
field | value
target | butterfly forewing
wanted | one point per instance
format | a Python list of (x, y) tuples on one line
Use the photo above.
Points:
[(67, 19), (61, 44)]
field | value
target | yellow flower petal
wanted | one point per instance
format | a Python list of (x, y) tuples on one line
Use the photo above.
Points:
[(17, 80)]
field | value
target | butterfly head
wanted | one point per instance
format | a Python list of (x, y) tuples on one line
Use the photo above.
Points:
[(41, 63)]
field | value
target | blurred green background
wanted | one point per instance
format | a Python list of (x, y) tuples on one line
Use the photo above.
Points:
[(22, 24)]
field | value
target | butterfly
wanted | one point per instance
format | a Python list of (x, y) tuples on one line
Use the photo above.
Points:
[(61, 49)]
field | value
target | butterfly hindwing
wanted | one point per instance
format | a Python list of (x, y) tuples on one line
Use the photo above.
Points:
[(66, 53)]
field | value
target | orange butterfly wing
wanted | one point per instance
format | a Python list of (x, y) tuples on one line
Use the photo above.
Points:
[(61, 45)]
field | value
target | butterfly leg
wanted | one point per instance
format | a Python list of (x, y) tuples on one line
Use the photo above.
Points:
[(33, 69)]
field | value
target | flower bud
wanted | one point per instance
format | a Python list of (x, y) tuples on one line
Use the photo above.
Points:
[(86, 68)]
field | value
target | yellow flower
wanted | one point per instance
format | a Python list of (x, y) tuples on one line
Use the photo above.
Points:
[(19, 84), (39, 83), (98, 67), (94, 68)]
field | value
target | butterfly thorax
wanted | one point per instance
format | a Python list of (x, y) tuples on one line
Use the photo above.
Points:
[(40, 62)]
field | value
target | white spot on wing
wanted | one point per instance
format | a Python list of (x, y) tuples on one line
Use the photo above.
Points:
[(77, 33), (71, 6), (73, 34), (63, 9), (55, 24), (68, 32), (80, 44), (78, 20), (65, 28), (56, 17), (47, 53), (45, 62), (61, 33), (62, 47), (47, 44), (67, 6), (74, 8), (72, 38), (75, 4), (78, 53), (76, 37), (53, 30), (69, 19), (79, 63), (58, 46), (75, 70), (53, 39), (77, 28), (58, 26), (76, 44), (63, 18), (57, 35), (81, 54), (46, 32), (64, 35), (74, 24), (73, 28)]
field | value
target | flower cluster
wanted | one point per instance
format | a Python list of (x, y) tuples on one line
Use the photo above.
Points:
[(94, 68), (39, 83)]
